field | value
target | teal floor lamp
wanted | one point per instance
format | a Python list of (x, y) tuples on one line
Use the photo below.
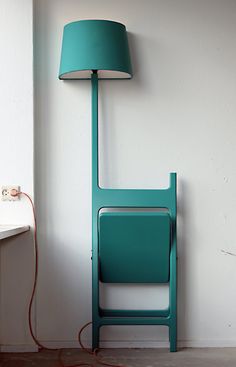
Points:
[(128, 245)]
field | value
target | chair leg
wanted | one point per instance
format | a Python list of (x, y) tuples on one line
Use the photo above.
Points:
[(173, 337), (95, 338)]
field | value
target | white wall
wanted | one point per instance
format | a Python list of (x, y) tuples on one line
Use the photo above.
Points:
[(177, 114), (16, 161)]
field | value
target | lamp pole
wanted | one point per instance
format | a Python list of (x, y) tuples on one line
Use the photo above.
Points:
[(95, 188), (95, 169)]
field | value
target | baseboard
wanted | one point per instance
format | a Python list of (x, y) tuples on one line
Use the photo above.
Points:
[(204, 343), (134, 344), (109, 344), (207, 343), (18, 348), (122, 344)]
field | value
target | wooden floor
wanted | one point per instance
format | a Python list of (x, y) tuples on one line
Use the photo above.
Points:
[(207, 357)]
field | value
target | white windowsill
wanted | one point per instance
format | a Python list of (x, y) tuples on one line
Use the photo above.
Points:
[(8, 230)]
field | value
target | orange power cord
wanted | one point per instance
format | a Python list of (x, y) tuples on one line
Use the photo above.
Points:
[(37, 342)]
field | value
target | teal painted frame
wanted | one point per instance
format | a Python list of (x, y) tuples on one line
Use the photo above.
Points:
[(110, 198)]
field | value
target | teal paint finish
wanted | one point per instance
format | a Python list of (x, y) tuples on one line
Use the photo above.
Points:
[(134, 247), (95, 45), (133, 198), (98, 49)]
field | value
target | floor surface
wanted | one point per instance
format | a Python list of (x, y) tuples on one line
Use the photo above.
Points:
[(207, 357)]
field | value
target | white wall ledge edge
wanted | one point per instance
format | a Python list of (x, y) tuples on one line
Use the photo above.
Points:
[(9, 230)]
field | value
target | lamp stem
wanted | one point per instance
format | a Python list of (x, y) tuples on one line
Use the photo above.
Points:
[(95, 167), (95, 185)]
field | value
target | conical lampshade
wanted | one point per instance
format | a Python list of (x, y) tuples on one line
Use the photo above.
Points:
[(100, 45)]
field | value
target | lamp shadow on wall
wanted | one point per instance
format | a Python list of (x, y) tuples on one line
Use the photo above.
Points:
[(109, 168), (153, 74)]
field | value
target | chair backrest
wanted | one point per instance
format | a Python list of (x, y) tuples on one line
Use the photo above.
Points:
[(134, 247)]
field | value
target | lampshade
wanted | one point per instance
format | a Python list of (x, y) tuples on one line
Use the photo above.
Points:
[(100, 45)]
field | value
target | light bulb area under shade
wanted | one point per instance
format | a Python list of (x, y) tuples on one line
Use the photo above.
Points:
[(102, 74)]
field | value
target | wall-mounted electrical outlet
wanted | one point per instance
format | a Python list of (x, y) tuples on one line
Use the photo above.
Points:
[(6, 193)]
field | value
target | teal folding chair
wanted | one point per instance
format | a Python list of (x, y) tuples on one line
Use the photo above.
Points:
[(132, 246)]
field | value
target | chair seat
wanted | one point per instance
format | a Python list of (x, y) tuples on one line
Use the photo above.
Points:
[(134, 247)]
